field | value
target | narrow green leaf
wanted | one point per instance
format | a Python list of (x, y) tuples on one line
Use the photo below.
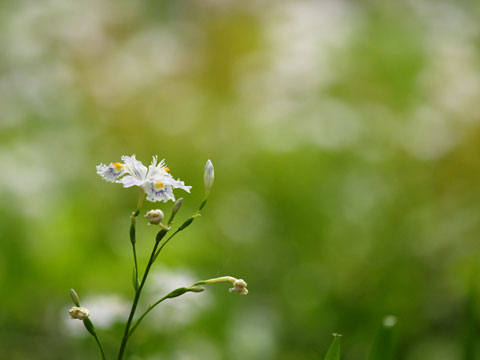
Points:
[(333, 352), (382, 345)]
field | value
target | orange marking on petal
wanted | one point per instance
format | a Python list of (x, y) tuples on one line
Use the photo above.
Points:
[(167, 169), (118, 166), (159, 184)]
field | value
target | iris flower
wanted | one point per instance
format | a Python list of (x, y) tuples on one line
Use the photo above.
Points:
[(155, 180)]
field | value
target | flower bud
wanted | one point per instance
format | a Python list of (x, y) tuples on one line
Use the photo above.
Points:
[(79, 313), (178, 204), (75, 298), (240, 286), (154, 217), (208, 176)]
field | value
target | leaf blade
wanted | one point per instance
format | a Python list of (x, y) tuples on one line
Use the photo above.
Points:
[(333, 352), (382, 345)]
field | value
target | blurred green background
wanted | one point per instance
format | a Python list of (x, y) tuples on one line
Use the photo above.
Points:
[(345, 138)]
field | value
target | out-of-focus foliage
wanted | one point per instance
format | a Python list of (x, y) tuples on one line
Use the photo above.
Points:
[(346, 140)]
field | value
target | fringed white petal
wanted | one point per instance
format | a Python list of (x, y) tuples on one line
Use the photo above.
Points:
[(109, 173)]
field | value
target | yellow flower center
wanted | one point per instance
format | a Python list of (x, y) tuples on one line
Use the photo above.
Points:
[(159, 184), (118, 166), (167, 169)]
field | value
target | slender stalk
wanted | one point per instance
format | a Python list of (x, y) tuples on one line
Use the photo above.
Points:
[(150, 308), (99, 346), (187, 223), (91, 329), (165, 243), (133, 241), (153, 256), (141, 195), (138, 292)]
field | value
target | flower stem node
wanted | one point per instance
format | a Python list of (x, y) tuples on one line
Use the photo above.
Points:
[(154, 217), (79, 313)]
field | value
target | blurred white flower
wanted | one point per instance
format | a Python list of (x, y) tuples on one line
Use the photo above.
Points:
[(155, 180), (79, 313)]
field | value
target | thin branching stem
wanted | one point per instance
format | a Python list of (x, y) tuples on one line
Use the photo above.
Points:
[(137, 296), (150, 308), (99, 346)]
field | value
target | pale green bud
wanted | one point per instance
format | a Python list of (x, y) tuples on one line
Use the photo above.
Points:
[(75, 298), (177, 206), (208, 176)]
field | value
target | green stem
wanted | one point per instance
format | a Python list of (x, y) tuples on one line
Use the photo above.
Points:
[(91, 329), (141, 195), (150, 308), (138, 292), (133, 241), (153, 256), (165, 243), (186, 223), (172, 294), (135, 285), (99, 346)]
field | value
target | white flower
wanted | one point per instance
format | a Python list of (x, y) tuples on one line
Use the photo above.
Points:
[(154, 217), (155, 180), (159, 184), (111, 172), (79, 313)]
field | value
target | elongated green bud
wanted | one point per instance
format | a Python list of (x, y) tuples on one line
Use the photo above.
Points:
[(89, 326), (202, 205), (178, 204), (186, 223), (208, 177), (132, 233), (75, 298), (160, 235), (180, 291), (177, 292)]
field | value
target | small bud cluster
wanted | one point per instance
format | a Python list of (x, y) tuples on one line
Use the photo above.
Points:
[(154, 217), (79, 313), (239, 286)]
